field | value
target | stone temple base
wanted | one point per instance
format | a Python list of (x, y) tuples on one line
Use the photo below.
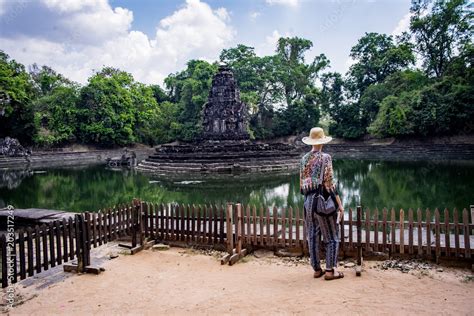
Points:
[(222, 157)]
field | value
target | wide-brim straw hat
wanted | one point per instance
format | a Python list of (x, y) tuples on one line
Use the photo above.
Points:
[(316, 137)]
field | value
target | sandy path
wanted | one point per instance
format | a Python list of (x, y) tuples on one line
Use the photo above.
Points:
[(180, 281)]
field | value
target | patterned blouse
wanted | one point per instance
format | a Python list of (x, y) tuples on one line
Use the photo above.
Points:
[(310, 168)]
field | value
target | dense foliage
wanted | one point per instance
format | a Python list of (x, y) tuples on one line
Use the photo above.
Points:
[(418, 84)]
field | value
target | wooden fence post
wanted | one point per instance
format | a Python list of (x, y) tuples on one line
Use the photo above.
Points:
[(472, 218), (402, 231), (359, 241), (3, 247), (229, 234), (229, 223)]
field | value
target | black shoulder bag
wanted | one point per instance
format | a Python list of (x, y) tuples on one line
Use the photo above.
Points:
[(320, 205)]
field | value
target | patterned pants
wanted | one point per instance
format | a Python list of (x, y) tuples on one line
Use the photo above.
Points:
[(329, 230)]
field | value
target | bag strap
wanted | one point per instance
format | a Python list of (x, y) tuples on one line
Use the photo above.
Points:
[(321, 175)]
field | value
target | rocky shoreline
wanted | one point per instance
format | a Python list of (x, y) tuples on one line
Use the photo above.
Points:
[(205, 160)]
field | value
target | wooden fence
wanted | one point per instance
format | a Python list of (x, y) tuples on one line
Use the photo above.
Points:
[(37, 249), (426, 234), (420, 233)]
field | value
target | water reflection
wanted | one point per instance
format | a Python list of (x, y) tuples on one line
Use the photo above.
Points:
[(377, 183)]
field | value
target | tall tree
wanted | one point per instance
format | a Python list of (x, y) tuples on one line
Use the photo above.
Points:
[(190, 89), (293, 73), (16, 93), (376, 57), (441, 29)]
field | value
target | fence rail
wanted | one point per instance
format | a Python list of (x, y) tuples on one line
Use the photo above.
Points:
[(419, 233)]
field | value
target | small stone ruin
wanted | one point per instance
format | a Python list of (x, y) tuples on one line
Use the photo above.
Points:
[(224, 145), (11, 147), (225, 116)]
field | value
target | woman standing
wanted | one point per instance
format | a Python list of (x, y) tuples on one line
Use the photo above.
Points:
[(311, 181)]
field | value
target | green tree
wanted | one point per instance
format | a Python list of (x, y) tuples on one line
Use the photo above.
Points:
[(56, 116), (376, 57), (258, 86), (112, 106), (292, 72), (189, 89), (16, 93), (441, 29)]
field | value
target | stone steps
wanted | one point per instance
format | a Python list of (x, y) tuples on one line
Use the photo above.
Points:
[(262, 165)]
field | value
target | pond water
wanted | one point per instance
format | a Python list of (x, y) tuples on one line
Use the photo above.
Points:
[(376, 183)]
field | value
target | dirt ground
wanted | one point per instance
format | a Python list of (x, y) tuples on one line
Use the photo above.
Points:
[(180, 281)]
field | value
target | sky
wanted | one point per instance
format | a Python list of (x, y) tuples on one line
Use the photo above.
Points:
[(153, 38)]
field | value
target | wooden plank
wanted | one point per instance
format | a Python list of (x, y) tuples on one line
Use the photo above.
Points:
[(21, 253), (215, 210), (162, 221), (44, 241), (3, 247), (57, 231), (384, 229), (419, 230), (77, 238), (437, 235), (172, 221), (38, 249), (392, 231), (376, 229), (193, 223), (108, 224), (447, 233), (248, 238), (275, 226), (290, 227), (467, 243), (29, 244), (254, 221), (238, 229), (268, 238), (283, 227), (359, 235), (65, 241), (51, 244), (261, 225), (71, 238), (146, 222), (188, 223), (298, 225), (351, 232), (402, 231), (367, 229), (242, 227), (205, 216), (167, 222), (14, 258), (94, 227), (221, 225), (457, 249), (428, 232), (410, 231), (198, 224), (229, 232), (113, 223)]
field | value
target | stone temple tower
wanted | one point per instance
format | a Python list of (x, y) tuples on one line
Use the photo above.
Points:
[(225, 116)]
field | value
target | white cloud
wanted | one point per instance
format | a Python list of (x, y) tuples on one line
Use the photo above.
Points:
[(99, 35), (403, 25), (254, 15), (289, 3), (269, 46)]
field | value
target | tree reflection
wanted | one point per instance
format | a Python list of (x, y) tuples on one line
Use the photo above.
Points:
[(378, 183)]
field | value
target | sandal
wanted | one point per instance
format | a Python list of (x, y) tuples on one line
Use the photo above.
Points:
[(339, 275), (319, 273)]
